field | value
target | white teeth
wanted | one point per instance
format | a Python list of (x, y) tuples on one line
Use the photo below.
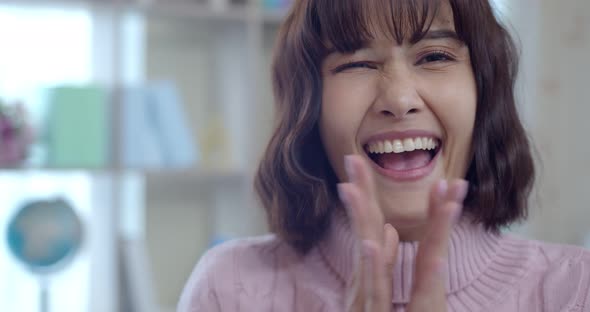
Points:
[(388, 147), (431, 144), (418, 143), (409, 145), (399, 146)]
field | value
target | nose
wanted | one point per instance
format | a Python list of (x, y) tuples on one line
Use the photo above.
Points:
[(398, 95)]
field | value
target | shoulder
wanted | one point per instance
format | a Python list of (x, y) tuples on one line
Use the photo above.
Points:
[(230, 270), (255, 253), (565, 277), (559, 253)]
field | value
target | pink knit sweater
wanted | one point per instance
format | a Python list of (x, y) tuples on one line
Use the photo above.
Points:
[(485, 273)]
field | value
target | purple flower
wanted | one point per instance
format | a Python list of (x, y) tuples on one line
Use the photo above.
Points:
[(15, 136)]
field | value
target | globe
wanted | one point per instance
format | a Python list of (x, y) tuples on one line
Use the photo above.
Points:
[(45, 235)]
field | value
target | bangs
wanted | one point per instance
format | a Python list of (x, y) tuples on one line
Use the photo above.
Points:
[(346, 26)]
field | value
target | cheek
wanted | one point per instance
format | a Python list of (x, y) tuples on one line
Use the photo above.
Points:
[(459, 120), (456, 112), (456, 101), (343, 106)]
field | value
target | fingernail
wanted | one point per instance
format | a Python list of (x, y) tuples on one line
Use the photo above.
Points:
[(462, 193), (367, 248), (349, 167), (442, 188)]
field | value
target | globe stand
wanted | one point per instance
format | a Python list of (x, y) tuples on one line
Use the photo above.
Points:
[(44, 235), (44, 294)]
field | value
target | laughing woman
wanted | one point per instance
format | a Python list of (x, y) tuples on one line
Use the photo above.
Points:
[(397, 157)]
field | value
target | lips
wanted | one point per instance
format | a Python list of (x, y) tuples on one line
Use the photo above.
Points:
[(404, 156)]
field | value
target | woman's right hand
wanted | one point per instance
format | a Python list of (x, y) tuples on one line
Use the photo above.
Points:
[(371, 290)]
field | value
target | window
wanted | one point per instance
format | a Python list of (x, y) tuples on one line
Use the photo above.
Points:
[(42, 47)]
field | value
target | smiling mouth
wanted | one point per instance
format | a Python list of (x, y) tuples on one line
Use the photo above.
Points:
[(403, 155)]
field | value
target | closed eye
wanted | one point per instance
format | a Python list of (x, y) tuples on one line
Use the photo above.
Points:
[(436, 57), (354, 66)]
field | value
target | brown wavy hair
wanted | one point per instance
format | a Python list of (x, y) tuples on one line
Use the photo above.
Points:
[(295, 181)]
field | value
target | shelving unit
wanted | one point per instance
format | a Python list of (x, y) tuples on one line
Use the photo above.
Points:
[(250, 11), (219, 60)]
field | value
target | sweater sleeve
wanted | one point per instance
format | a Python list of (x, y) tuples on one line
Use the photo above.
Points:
[(566, 286), (199, 294), (254, 275), (234, 276)]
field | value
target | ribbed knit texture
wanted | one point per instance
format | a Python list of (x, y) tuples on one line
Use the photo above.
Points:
[(485, 272)]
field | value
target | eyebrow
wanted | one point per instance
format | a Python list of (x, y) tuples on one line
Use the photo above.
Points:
[(437, 34)]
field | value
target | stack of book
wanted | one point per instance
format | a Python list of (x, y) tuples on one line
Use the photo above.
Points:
[(141, 127)]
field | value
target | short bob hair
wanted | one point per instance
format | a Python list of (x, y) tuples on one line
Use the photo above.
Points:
[(295, 181)]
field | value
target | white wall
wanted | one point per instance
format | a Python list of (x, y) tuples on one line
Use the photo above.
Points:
[(561, 110), (554, 102), (184, 212)]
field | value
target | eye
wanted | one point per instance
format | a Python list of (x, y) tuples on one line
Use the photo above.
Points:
[(354, 66), (436, 57)]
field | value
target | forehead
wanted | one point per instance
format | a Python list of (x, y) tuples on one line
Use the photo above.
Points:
[(350, 27), (443, 20)]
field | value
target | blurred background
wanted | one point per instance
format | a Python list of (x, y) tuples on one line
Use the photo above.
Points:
[(130, 131)]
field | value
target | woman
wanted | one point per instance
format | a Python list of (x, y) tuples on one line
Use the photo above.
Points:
[(397, 128)]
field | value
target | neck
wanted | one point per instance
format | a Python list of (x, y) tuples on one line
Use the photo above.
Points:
[(411, 233)]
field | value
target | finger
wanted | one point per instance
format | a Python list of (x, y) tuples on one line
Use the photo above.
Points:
[(371, 272), (349, 195), (363, 290), (359, 173), (443, 215), (457, 190), (390, 244), (435, 244), (354, 203), (374, 273), (370, 223), (438, 194), (445, 207), (432, 254), (443, 212), (381, 260)]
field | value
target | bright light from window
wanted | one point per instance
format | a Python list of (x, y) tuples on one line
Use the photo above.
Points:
[(43, 47), (500, 7)]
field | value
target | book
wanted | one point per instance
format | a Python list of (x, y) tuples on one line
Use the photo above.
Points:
[(78, 132), (156, 133)]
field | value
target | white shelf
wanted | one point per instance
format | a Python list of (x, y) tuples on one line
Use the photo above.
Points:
[(183, 9), (186, 174), (177, 9), (193, 176), (219, 59)]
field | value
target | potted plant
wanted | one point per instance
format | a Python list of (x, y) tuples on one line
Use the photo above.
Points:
[(15, 135)]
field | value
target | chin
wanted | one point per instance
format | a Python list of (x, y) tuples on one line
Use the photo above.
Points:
[(406, 211)]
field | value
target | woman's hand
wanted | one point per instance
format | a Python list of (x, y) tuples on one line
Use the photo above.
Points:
[(372, 286)]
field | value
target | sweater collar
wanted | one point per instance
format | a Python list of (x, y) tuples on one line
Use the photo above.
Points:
[(472, 250)]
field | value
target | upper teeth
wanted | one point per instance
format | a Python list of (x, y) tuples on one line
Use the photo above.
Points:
[(400, 146)]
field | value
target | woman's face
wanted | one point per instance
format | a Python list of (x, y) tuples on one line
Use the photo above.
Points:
[(409, 110)]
